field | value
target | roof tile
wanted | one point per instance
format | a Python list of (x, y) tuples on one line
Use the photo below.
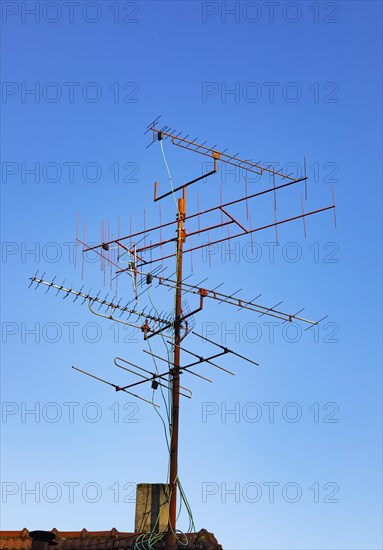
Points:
[(101, 540)]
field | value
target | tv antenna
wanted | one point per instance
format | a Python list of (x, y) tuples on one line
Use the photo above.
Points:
[(144, 264)]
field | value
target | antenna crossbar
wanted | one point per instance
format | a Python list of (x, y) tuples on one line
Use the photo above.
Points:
[(115, 386), (202, 359), (152, 377), (226, 350)]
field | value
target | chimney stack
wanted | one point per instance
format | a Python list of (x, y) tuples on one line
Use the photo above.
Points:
[(41, 540)]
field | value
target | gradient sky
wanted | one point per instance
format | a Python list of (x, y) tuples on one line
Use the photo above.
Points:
[(210, 73)]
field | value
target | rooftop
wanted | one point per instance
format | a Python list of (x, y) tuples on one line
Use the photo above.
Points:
[(104, 540)]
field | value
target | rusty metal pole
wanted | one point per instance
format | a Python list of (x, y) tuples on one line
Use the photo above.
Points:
[(176, 375)]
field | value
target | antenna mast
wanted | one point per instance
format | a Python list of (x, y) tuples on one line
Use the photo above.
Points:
[(176, 365)]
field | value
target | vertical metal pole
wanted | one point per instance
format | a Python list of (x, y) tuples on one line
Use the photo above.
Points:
[(175, 374)]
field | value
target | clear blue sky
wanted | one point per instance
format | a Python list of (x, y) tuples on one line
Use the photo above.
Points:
[(304, 79)]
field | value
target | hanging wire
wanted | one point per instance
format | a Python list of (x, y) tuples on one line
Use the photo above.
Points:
[(169, 174)]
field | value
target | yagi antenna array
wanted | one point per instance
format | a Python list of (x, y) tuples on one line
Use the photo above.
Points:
[(110, 307), (235, 301), (136, 256), (138, 251), (222, 155)]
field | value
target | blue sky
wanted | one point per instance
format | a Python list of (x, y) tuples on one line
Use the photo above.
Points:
[(101, 73)]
